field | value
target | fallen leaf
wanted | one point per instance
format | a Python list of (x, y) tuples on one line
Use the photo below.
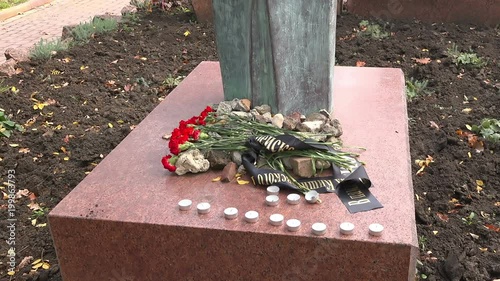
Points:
[(360, 63), (66, 60), (34, 206), (187, 33), (492, 227), (25, 261), (83, 67), (128, 88), (423, 164), (422, 60), (216, 179), (241, 182), (115, 61), (42, 225), (32, 196), (22, 192), (442, 217), (483, 249), (435, 232), (497, 204), (479, 182), (434, 125), (33, 223), (13, 144), (467, 110), (474, 236), (110, 125), (24, 150)]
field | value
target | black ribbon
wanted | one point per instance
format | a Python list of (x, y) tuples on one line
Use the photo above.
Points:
[(351, 185)]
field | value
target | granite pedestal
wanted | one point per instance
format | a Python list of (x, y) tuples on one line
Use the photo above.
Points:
[(122, 221)]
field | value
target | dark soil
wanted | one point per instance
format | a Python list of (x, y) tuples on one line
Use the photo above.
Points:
[(98, 92)]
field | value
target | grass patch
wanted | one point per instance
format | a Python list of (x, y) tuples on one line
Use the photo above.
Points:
[(4, 4), (467, 59), (489, 129), (7, 125), (375, 31), (3, 88), (416, 88), (172, 82), (84, 31), (44, 49)]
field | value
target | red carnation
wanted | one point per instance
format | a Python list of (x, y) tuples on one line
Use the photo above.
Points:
[(166, 161)]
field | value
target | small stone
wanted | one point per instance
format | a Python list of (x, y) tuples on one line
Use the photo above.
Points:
[(277, 120), (243, 105), (261, 119), (191, 161), (325, 113), (254, 112), (268, 117), (236, 157), (302, 167), (331, 130), (17, 54), (8, 68), (322, 165), (336, 124), (129, 9), (296, 116), (241, 114), (229, 172), (224, 107), (310, 126), (242, 170), (316, 116), (218, 159), (287, 163), (290, 123), (262, 109)]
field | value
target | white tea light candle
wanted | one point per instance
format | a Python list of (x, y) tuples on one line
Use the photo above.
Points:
[(276, 219), (293, 199), (230, 213), (203, 208), (251, 216), (273, 190), (185, 204), (272, 200)]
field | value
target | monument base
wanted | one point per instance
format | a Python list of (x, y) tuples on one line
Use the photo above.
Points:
[(122, 221)]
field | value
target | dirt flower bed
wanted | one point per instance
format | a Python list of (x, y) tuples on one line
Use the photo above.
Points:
[(78, 106)]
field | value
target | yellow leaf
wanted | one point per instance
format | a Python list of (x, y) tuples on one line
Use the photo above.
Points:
[(467, 110), (470, 155), (241, 182), (63, 149), (11, 273), (55, 153), (110, 125), (479, 189), (42, 225), (483, 249), (37, 266), (187, 33), (33, 223), (120, 121), (479, 182), (14, 90), (37, 261), (13, 144), (45, 264), (66, 60), (435, 232), (66, 158), (83, 67), (216, 179)]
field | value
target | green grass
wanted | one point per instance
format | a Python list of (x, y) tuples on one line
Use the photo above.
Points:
[(372, 30), (44, 49), (4, 4), (467, 59), (84, 31), (416, 88)]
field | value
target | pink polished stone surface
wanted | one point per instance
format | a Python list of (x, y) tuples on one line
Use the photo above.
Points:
[(122, 220)]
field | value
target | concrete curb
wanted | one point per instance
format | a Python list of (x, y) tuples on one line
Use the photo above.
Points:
[(24, 7)]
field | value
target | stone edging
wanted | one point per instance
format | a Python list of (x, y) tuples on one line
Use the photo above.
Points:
[(21, 8)]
